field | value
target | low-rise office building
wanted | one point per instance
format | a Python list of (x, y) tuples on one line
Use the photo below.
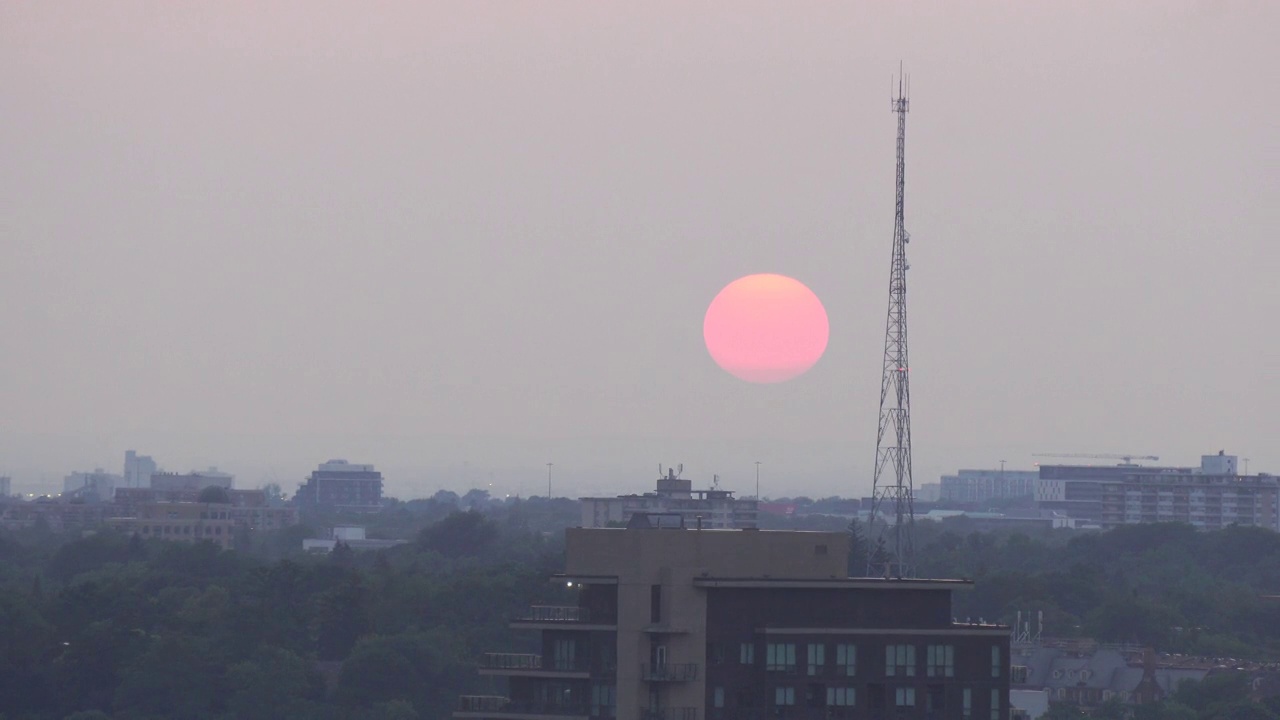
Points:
[(182, 522), (676, 496), (340, 486)]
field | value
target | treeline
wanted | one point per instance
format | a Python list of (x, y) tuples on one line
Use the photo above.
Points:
[(108, 627), (1165, 585), (113, 627)]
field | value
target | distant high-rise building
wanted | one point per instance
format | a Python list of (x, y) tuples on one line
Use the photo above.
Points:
[(1211, 496), (338, 486), (138, 469), (978, 486), (5, 487), (674, 495)]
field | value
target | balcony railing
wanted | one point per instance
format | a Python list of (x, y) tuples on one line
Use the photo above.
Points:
[(519, 661), (671, 672), (482, 703), (510, 661), (671, 713), (561, 614), (506, 706)]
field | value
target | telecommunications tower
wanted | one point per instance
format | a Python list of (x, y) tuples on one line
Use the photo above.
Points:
[(891, 483)]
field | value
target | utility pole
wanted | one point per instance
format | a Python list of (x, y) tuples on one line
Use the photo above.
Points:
[(549, 480), (893, 439), (757, 481)]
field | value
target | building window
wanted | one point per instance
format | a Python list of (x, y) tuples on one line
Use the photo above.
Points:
[(781, 657), (604, 700), (820, 550), (817, 658), (900, 660), (941, 661), (784, 696), (565, 650), (966, 703), (905, 697), (995, 704), (847, 659), (717, 697), (655, 603), (841, 696), (995, 661), (747, 654)]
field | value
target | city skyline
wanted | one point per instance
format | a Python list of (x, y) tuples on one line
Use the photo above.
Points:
[(259, 238)]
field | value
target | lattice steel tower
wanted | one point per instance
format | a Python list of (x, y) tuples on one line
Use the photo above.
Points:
[(892, 479)]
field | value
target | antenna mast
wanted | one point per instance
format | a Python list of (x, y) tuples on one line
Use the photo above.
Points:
[(892, 479)]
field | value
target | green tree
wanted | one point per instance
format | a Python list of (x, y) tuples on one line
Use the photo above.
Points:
[(460, 534), (214, 494), (274, 683)]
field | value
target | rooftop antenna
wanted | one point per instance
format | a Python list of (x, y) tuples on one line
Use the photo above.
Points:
[(891, 481)]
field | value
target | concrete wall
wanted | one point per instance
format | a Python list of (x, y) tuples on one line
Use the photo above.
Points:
[(672, 559)]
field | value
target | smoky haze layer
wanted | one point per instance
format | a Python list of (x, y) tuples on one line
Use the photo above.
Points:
[(483, 235)]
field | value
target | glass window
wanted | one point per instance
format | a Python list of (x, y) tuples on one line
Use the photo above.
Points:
[(747, 654), (966, 704), (784, 696), (781, 657), (604, 700), (717, 697), (995, 661), (900, 660), (817, 658), (941, 661), (847, 659), (906, 697), (840, 696), (995, 704), (565, 650)]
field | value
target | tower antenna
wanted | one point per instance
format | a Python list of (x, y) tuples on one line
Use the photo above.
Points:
[(891, 481)]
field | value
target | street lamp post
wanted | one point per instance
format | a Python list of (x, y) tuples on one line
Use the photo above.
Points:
[(549, 480), (758, 463)]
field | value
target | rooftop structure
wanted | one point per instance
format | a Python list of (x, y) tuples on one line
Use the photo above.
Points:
[(351, 536), (195, 480), (1082, 672), (96, 485), (674, 495)]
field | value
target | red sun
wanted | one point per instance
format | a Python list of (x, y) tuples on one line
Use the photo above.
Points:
[(766, 328)]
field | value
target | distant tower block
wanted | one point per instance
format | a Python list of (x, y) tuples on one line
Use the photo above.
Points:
[(891, 482)]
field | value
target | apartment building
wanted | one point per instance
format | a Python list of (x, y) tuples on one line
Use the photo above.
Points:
[(1211, 496), (694, 624), (338, 486), (979, 486)]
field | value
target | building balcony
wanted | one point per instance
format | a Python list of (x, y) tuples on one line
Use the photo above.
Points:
[(496, 707), (518, 664), (671, 713), (670, 672), (563, 616)]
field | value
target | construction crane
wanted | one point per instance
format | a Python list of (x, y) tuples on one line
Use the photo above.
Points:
[(1128, 459)]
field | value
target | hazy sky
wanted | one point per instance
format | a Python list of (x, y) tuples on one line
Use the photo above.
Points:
[(463, 239)]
